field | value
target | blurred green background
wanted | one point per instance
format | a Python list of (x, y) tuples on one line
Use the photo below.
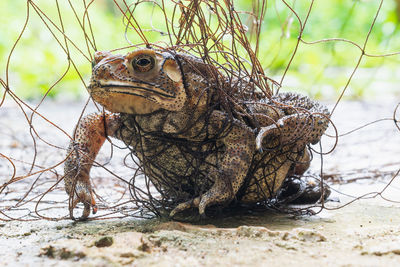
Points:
[(321, 70)]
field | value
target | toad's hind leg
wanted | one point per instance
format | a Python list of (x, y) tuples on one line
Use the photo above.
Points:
[(300, 129), (304, 123), (239, 144)]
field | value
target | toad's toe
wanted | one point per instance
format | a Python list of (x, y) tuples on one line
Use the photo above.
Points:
[(194, 203), (82, 194)]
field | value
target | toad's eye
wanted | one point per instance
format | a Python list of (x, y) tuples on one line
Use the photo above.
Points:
[(143, 63)]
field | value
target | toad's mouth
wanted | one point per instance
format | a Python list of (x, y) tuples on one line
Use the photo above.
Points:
[(132, 89)]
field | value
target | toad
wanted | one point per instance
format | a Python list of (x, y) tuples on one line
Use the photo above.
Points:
[(168, 107)]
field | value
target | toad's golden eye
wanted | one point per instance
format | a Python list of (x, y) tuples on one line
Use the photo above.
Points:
[(143, 63)]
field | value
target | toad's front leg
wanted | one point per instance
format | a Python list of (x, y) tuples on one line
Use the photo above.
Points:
[(238, 140), (89, 136)]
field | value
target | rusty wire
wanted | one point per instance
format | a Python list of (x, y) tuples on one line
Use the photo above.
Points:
[(30, 189)]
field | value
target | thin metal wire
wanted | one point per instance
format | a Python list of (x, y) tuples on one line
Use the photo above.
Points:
[(211, 30)]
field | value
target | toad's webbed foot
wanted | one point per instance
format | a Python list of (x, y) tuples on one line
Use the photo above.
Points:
[(302, 190)]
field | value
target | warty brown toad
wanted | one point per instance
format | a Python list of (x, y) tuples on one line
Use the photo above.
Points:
[(167, 108)]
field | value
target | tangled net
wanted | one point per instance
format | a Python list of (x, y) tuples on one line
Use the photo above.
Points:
[(223, 37)]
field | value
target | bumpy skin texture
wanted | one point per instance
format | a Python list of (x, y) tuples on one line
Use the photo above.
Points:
[(158, 99)]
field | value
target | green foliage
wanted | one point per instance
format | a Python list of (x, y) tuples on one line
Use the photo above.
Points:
[(38, 61), (321, 69)]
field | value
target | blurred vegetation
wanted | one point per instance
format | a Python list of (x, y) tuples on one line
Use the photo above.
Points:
[(321, 70)]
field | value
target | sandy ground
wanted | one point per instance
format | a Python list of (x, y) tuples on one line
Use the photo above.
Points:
[(364, 233)]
